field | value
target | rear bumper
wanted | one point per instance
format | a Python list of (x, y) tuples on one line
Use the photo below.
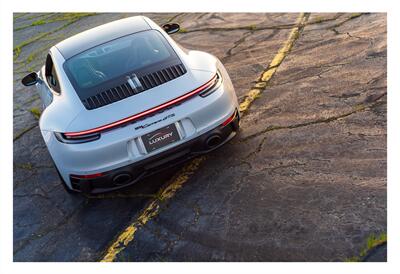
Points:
[(130, 174)]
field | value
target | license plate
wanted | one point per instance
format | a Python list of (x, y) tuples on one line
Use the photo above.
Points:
[(160, 138)]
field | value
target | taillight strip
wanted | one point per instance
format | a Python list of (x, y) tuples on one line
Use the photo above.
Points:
[(144, 113), (230, 119)]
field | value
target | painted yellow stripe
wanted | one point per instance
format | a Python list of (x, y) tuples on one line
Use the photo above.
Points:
[(153, 207), (262, 82)]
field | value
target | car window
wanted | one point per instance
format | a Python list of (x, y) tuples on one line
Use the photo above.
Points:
[(51, 75), (122, 56)]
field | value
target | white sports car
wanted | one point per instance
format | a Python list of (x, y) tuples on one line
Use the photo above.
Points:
[(123, 100)]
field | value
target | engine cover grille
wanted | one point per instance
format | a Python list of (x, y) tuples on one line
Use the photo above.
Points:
[(132, 87)]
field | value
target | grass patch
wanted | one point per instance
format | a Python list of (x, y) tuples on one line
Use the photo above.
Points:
[(17, 50), (182, 30), (38, 23), (30, 58), (355, 15), (372, 242), (27, 166), (359, 107), (318, 19), (252, 27), (36, 112)]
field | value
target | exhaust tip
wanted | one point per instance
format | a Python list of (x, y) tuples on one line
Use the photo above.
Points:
[(213, 141), (122, 179)]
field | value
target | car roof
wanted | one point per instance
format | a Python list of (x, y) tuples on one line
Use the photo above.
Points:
[(101, 34)]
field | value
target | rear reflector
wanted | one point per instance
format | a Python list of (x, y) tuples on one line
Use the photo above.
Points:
[(229, 120), (87, 176)]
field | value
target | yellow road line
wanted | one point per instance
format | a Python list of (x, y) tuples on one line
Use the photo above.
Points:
[(262, 82), (153, 207)]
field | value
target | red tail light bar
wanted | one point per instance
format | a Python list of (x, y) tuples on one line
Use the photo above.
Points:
[(230, 119), (142, 114), (88, 176)]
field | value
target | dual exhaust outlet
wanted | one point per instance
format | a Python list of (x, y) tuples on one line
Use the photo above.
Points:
[(124, 178), (213, 141)]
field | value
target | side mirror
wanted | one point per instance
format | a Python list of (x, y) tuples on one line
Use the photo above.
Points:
[(171, 28), (30, 79)]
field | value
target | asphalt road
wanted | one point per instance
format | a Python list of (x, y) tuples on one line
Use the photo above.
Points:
[(305, 180)]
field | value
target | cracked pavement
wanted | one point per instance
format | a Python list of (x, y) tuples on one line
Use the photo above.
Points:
[(305, 180)]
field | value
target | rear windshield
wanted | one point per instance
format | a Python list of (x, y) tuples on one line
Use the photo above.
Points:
[(117, 58)]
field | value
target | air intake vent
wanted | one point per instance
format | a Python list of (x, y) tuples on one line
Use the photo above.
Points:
[(133, 86), (157, 78)]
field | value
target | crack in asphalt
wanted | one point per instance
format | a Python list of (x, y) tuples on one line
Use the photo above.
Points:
[(174, 17), (237, 43), (319, 74), (274, 168), (353, 16), (22, 133), (356, 109), (181, 234)]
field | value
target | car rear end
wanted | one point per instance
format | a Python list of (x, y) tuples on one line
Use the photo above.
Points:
[(124, 153)]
